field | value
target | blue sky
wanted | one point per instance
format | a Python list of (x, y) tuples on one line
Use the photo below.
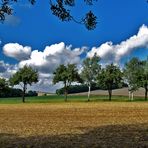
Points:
[(117, 20), (36, 27)]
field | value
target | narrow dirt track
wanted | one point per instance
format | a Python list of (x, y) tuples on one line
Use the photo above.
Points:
[(103, 124)]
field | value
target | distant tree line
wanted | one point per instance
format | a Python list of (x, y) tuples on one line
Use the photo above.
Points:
[(77, 89), (84, 88), (15, 92)]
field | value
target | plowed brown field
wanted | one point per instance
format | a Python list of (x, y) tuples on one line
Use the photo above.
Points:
[(74, 125)]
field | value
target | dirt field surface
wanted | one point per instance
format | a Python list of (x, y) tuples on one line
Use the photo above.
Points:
[(74, 125), (116, 92)]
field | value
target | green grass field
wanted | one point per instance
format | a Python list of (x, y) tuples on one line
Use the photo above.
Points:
[(71, 98)]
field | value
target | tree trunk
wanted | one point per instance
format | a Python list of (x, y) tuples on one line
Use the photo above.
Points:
[(65, 90), (65, 95), (24, 91), (132, 96), (146, 90), (89, 88), (129, 95), (110, 94)]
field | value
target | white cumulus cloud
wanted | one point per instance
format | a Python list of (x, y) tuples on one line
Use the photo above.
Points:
[(110, 52), (17, 51), (52, 56)]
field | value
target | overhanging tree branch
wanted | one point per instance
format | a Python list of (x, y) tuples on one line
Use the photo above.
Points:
[(58, 8)]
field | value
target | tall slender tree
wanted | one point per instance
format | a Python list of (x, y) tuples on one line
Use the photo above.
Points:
[(144, 77), (23, 77), (131, 75), (91, 69)]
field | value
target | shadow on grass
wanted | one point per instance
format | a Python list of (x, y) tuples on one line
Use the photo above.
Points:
[(117, 136)]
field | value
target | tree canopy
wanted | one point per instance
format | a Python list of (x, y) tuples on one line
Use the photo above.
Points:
[(3, 84), (144, 76), (110, 77), (24, 76), (136, 75), (131, 75), (67, 75)]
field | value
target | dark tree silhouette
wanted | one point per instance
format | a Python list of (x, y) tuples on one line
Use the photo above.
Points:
[(59, 8)]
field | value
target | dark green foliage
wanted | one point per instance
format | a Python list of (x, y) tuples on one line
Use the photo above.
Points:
[(67, 75), (136, 74), (59, 11), (77, 89), (143, 76), (84, 88), (15, 92), (90, 70), (24, 76), (6, 8), (90, 21), (6, 91), (69, 2), (3, 84), (11, 92), (110, 77), (131, 73), (31, 93)]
